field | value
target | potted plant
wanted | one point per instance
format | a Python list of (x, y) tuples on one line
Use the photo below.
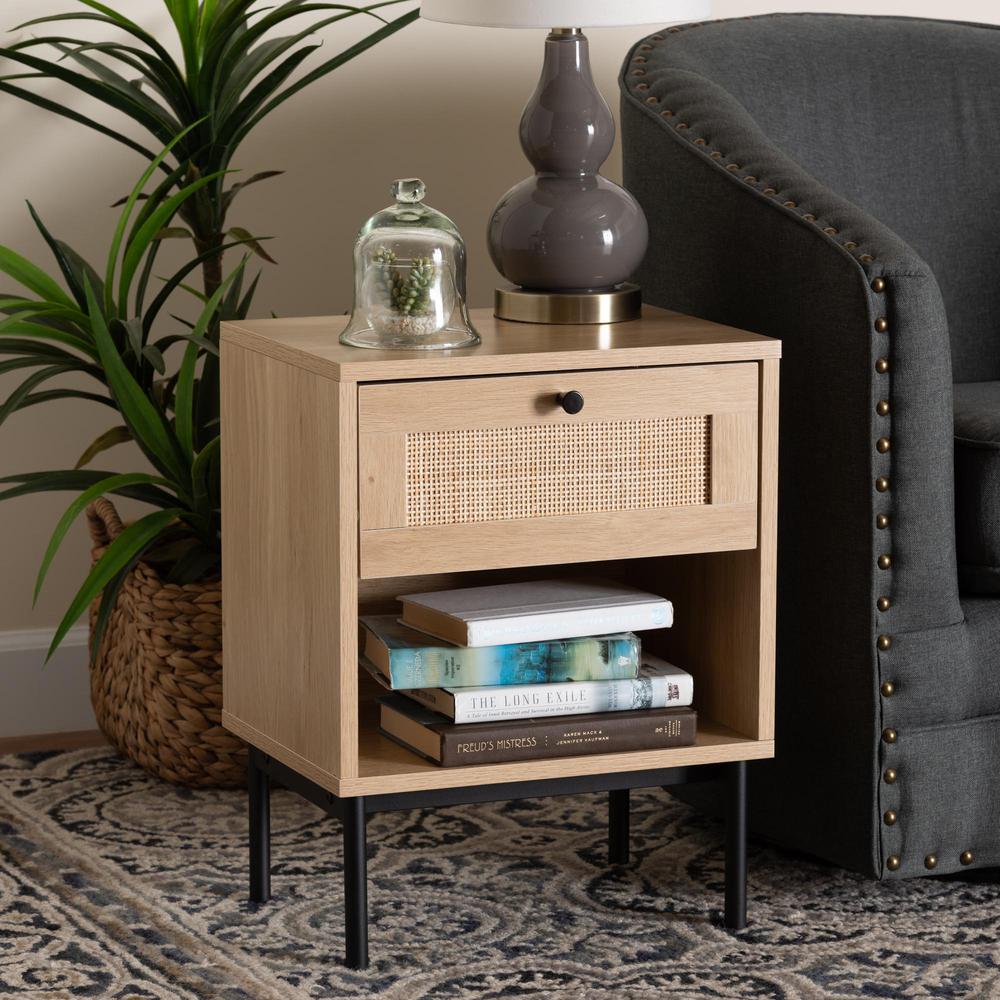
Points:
[(154, 587)]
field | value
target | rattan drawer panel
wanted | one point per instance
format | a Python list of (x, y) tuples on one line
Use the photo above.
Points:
[(511, 473), (466, 457)]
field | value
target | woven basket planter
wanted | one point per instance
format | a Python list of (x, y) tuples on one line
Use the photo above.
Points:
[(156, 684)]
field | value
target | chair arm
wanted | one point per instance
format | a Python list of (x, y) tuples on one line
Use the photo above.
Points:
[(742, 234)]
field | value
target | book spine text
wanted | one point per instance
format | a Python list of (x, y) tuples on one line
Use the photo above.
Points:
[(537, 739), (584, 659)]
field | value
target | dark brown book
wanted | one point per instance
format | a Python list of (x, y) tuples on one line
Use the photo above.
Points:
[(433, 736)]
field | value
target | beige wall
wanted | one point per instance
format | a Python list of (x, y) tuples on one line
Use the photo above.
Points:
[(436, 101)]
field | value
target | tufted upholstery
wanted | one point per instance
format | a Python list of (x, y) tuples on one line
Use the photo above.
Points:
[(977, 485), (830, 180)]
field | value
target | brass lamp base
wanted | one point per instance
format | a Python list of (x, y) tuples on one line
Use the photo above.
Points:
[(622, 303)]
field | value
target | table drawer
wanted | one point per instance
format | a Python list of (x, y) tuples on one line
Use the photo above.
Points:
[(482, 473)]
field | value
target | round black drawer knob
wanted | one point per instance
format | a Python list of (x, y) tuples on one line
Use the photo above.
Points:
[(571, 402)]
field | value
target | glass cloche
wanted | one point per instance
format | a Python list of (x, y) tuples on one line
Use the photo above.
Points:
[(409, 278)]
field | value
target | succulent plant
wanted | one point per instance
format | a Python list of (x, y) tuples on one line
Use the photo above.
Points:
[(405, 293)]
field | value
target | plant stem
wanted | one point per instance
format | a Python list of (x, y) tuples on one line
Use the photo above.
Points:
[(211, 269)]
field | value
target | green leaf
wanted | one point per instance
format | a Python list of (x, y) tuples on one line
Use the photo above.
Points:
[(132, 542), (109, 598), (110, 438), (152, 354), (66, 112), (77, 507), (124, 198), (146, 234), (153, 199), (106, 15), (133, 330), (184, 394), (80, 269), (71, 480), (322, 70), (13, 402), (38, 349), (238, 49), (28, 361), (50, 395), (266, 87), (185, 14), (174, 233), (231, 299), (45, 333), (227, 198), (195, 293), (244, 307), (117, 82), (70, 270), (116, 240), (32, 277), (52, 314), (175, 338), (205, 475), (176, 281), (251, 241), (194, 565), (96, 89), (147, 424), (157, 75), (240, 73)]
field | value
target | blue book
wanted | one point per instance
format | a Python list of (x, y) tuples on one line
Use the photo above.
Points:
[(402, 658)]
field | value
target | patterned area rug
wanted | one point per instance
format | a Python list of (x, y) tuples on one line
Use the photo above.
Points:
[(115, 885)]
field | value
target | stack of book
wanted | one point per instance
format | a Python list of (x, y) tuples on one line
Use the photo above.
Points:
[(551, 668)]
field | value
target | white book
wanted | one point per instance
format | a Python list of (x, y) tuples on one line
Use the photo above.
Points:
[(659, 685), (537, 611)]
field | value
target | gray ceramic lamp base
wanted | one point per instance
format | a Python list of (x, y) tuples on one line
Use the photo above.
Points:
[(567, 238), (525, 306)]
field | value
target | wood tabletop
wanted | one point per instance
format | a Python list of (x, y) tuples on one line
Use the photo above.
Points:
[(659, 337)]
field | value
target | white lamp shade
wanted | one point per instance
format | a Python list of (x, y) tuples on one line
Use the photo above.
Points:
[(563, 13)]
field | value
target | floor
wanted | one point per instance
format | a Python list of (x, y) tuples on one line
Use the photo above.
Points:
[(115, 885)]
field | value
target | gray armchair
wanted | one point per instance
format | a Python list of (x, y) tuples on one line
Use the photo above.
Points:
[(834, 181)]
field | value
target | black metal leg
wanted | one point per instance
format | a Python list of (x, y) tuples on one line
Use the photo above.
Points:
[(259, 787), (355, 883), (352, 813), (618, 826), (736, 846)]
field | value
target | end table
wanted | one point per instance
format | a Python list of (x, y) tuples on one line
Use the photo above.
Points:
[(643, 451)]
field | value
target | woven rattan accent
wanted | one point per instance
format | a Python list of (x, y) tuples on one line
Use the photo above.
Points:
[(156, 684), (548, 470)]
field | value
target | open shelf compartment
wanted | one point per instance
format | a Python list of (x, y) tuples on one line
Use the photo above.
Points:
[(715, 607)]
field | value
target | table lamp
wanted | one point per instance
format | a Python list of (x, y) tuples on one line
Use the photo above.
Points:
[(567, 238)]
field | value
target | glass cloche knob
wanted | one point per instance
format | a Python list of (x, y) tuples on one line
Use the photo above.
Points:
[(409, 190), (409, 278)]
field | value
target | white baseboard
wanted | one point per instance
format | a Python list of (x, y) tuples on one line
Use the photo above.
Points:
[(39, 697), (23, 640)]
